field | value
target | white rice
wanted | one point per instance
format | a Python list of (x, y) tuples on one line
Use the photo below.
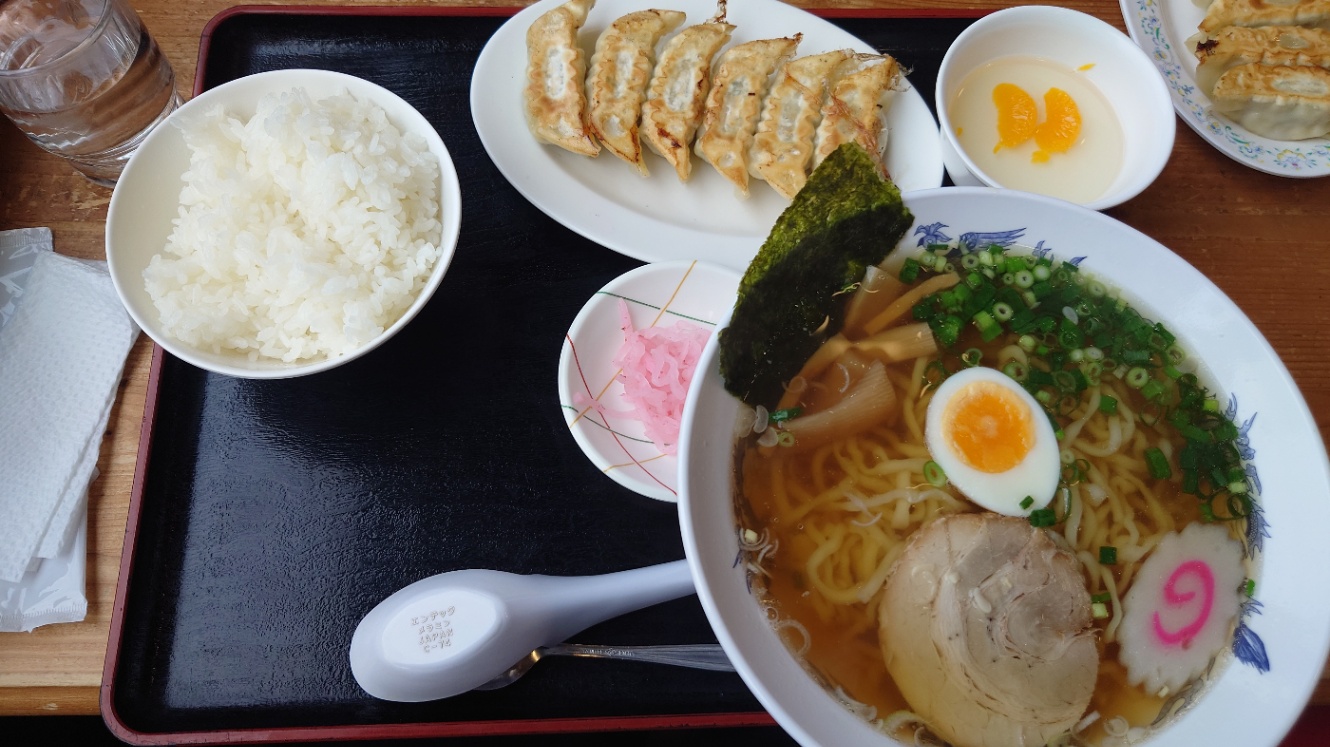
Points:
[(302, 234)]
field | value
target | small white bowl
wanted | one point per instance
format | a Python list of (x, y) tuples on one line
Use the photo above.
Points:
[(1071, 39), (661, 293), (146, 200)]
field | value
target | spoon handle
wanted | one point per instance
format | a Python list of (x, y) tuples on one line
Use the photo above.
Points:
[(574, 603), (697, 656)]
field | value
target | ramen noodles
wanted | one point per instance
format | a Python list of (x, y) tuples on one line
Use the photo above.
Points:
[(847, 474)]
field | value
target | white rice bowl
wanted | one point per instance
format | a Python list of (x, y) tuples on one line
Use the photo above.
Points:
[(317, 213)]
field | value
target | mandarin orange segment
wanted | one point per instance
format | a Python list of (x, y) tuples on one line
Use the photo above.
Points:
[(1061, 126), (1017, 115)]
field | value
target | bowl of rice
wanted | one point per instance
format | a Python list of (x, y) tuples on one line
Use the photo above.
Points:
[(283, 224)]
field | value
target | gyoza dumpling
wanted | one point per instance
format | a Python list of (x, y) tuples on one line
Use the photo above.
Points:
[(1310, 13), (1269, 45), (556, 110), (782, 149), (1278, 102), (677, 95), (854, 110), (617, 80), (735, 103)]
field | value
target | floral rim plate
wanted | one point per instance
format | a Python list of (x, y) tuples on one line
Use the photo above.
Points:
[(658, 218), (658, 294), (1283, 631), (1161, 28)]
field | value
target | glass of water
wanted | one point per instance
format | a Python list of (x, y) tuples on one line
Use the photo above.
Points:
[(83, 80)]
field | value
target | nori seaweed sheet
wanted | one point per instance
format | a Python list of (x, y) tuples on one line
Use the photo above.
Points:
[(845, 218)]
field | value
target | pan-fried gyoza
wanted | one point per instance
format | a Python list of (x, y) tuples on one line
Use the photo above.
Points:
[(855, 106), (556, 108), (617, 79), (783, 146), (735, 104), (677, 94), (748, 108)]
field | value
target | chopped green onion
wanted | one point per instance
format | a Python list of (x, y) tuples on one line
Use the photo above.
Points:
[(910, 270), (947, 330), (934, 475), (782, 415), (1043, 517), (1076, 331), (784, 438), (1027, 501), (1102, 597), (1249, 588), (972, 357), (1099, 610), (1108, 555), (988, 327), (1158, 464), (1153, 389)]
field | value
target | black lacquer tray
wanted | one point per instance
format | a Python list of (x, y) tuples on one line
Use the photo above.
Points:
[(269, 516)]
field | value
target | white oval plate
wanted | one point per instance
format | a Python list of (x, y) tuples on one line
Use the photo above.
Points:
[(1283, 633), (658, 218), (1161, 28), (657, 294)]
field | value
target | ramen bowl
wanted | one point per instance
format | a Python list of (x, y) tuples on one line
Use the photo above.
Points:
[(146, 205), (1259, 684), (1126, 115)]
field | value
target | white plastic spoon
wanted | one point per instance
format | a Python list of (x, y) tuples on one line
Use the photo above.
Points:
[(450, 633)]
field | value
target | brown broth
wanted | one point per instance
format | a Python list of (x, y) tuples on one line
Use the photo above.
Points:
[(844, 645)]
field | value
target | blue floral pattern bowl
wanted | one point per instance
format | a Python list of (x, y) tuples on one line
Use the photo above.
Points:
[(1161, 28), (1283, 630)]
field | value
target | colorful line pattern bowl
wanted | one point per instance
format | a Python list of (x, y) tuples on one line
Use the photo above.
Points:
[(656, 294)]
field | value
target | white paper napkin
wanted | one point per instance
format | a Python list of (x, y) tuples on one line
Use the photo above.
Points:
[(18, 250), (61, 356)]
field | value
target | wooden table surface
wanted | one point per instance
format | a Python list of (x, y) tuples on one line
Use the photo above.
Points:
[(1265, 240)]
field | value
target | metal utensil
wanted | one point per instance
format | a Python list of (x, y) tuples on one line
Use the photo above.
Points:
[(455, 631), (696, 656)]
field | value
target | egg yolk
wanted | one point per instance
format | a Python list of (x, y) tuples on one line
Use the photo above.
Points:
[(989, 427)]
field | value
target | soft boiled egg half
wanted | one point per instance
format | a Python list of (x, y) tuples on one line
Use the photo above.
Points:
[(993, 441)]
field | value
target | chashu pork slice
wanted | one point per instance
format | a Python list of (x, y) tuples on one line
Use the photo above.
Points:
[(985, 627)]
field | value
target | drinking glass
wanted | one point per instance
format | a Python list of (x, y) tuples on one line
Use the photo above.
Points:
[(83, 79)]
